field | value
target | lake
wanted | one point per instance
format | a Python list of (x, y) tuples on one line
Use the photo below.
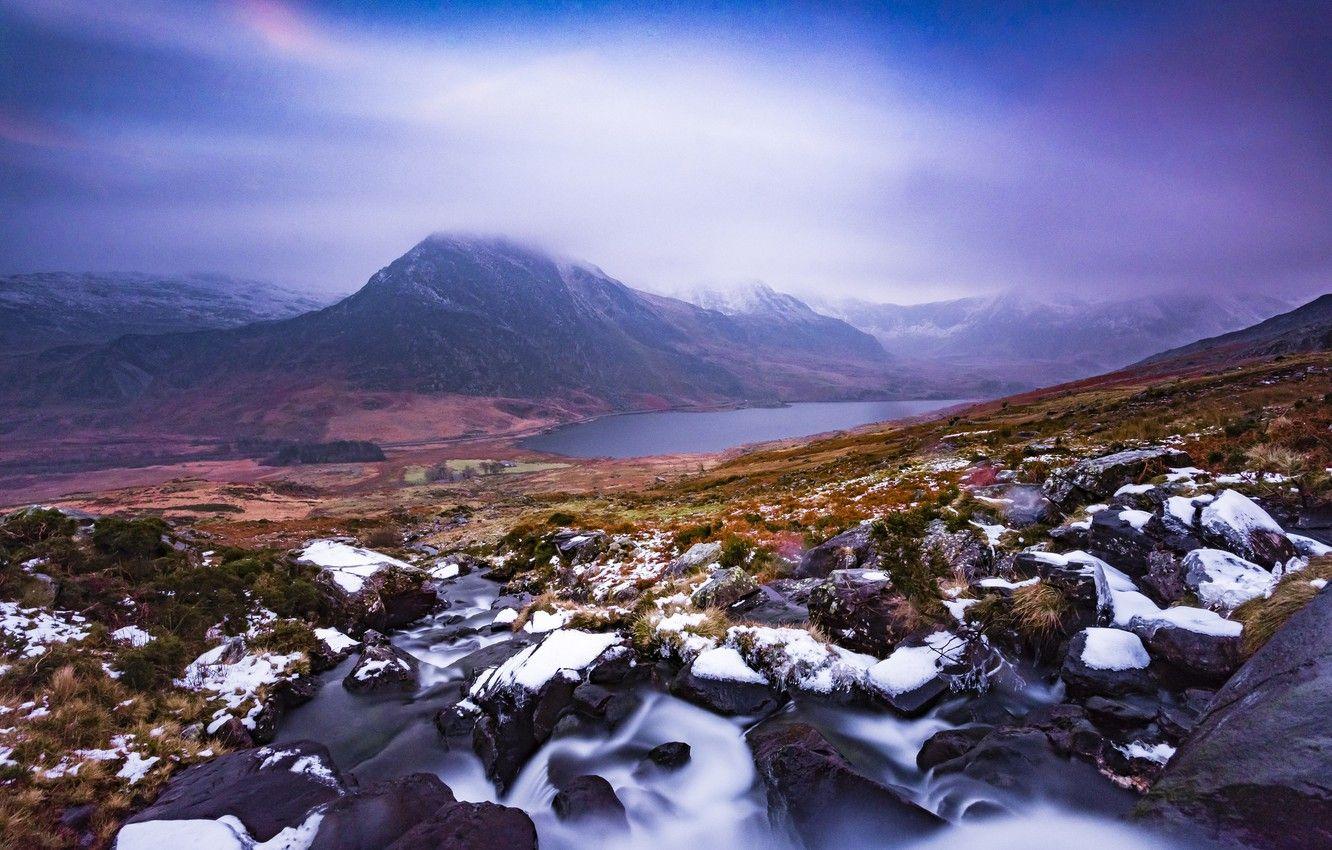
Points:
[(677, 432)]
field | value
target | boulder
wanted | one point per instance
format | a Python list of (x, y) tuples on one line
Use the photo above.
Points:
[(724, 588), (828, 804), (375, 817), (1097, 478), (1108, 663), (267, 789), (579, 547), (1164, 581), (364, 589), (770, 607), (382, 666), (1257, 770), (1124, 538), (671, 755), (694, 558), (720, 680), (472, 826), (1223, 581), (962, 551), (847, 551), (861, 610), (948, 744), (1191, 656), (1234, 522), (332, 647), (589, 797)]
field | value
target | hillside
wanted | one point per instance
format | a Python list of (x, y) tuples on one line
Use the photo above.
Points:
[(1305, 329), (42, 311)]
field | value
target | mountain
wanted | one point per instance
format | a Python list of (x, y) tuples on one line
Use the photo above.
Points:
[(1302, 330), (775, 318), (1044, 341), (454, 316), (41, 311)]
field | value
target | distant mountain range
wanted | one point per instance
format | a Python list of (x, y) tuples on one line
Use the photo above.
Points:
[(1038, 341), (1306, 328), (41, 311), (456, 316)]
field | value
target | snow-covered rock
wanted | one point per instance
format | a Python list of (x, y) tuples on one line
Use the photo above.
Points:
[(1224, 581), (1235, 522), (131, 636), (368, 589)]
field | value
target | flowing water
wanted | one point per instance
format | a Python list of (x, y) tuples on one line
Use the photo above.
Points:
[(682, 432), (716, 800)]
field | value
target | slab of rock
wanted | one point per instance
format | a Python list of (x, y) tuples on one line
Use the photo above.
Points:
[(472, 826), (382, 666), (853, 549), (828, 804), (671, 755), (861, 610), (770, 607), (1234, 522), (1098, 478), (579, 546), (694, 558), (376, 816), (1257, 770), (1224, 581), (589, 797), (365, 589), (1191, 657), (724, 588), (723, 683), (948, 744), (1107, 662), (268, 789)]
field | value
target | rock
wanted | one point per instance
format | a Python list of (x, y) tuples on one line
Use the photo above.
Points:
[(1097, 478), (1120, 538), (1106, 662), (332, 647), (1131, 711), (1164, 581), (671, 755), (860, 610), (724, 588), (1315, 521), (365, 589), (1257, 770), (694, 558), (847, 551), (267, 789), (770, 607), (579, 547), (589, 797), (827, 803), (1073, 575), (962, 551), (948, 744), (1232, 521), (382, 666), (375, 817), (1192, 657), (747, 694), (455, 721), (1223, 581), (1069, 730), (472, 826)]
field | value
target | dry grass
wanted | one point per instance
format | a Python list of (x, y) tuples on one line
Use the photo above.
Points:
[(1263, 618), (1038, 611)]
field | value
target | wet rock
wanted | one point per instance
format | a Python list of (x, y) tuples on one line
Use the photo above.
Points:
[(589, 797), (382, 666), (1069, 730), (1097, 478), (770, 607), (849, 550), (592, 699), (861, 611), (962, 551), (671, 755), (332, 647), (1106, 662), (579, 547), (267, 789), (730, 697), (1257, 770), (1190, 657), (455, 721), (1164, 580), (694, 558), (724, 588), (1130, 711), (472, 826), (828, 804), (948, 744), (1234, 522), (375, 817), (389, 598)]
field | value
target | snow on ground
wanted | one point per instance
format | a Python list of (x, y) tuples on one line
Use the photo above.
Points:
[(992, 532), (236, 682), (563, 649), (1159, 753), (335, 640), (545, 621), (1129, 604), (29, 631), (1308, 547), (132, 635), (1114, 649), (349, 565), (1134, 489), (1224, 581), (725, 663)]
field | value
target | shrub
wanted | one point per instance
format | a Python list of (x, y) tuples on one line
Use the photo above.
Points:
[(287, 636), (383, 538), (735, 552), (139, 538), (153, 665), (30, 527)]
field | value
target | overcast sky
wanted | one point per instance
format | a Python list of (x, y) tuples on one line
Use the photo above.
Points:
[(927, 152)]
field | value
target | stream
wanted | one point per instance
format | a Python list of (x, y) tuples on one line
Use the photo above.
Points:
[(716, 800)]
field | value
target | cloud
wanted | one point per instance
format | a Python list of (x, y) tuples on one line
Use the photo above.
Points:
[(829, 156)]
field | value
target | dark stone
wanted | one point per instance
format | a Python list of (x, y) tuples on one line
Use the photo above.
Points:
[(724, 696), (769, 607), (256, 786), (948, 744), (861, 610), (1097, 478), (390, 598), (1119, 544), (455, 722), (847, 551), (579, 546), (1315, 521), (589, 796), (725, 587), (828, 804), (1085, 681), (592, 699), (382, 666), (472, 826), (376, 816), (670, 755), (1188, 657), (1257, 770), (1127, 712), (1164, 581)]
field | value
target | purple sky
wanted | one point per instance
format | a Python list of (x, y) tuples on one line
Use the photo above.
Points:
[(934, 151)]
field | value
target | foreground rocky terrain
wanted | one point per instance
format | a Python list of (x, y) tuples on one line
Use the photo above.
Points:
[(1101, 611)]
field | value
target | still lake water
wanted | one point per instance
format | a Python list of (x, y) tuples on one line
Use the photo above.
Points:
[(674, 431)]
